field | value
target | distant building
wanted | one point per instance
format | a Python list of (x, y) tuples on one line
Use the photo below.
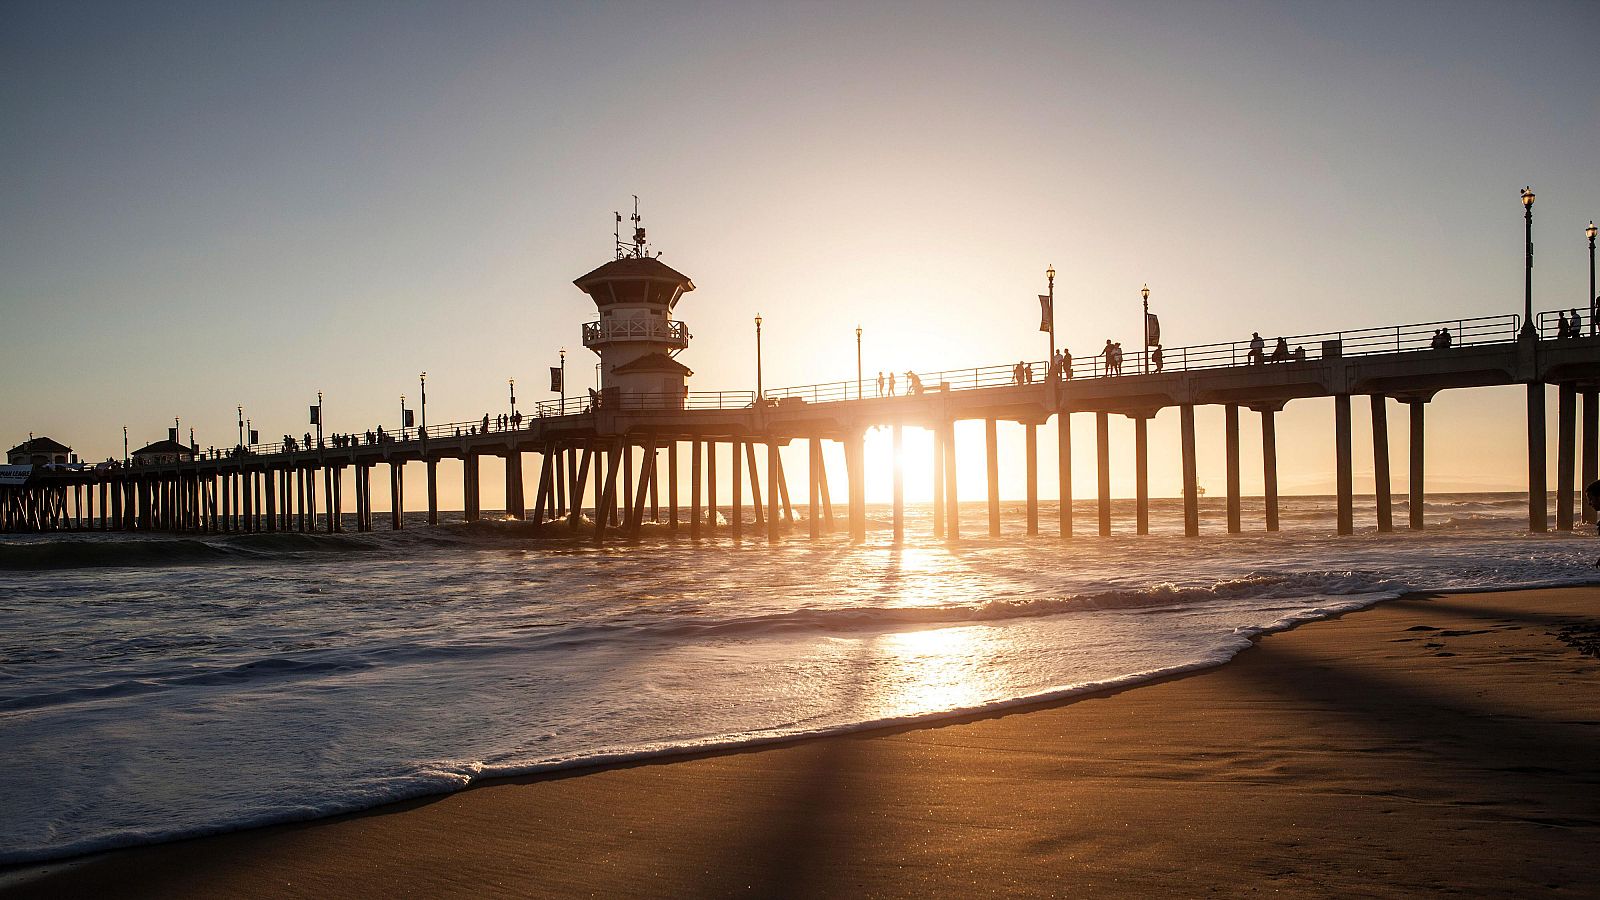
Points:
[(163, 452), (636, 336), (39, 451)]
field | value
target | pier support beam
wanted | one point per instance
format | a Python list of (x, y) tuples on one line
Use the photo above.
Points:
[(1191, 480), (579, 470), (672, 486), (516, 508), (991, 444), (397, 495), (1230, 414), (696, 464), (433, 492), (1064, 470), (952, 506), (1344, 482), (711, 487), (1566, 452), (1382, 488), (1416, 496), (1538, 499), (774, 492), (899, 488), (938, 482), (606, 501), (736, 519), (814, 487), (1591, 453), (1141, 475), (855, 474), (1269, 465), (755, 484), (1102, 444), (1030, 433)]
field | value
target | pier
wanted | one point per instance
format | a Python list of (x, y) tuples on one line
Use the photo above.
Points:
[(620, 452)]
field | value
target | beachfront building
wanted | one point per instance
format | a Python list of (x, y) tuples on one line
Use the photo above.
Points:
[(163, 453), (39, 451), (636, 336)]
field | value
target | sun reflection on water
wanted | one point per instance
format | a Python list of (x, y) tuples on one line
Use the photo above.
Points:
[(934, 670)]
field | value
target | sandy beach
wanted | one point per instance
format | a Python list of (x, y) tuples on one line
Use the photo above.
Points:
[(1435, 743)]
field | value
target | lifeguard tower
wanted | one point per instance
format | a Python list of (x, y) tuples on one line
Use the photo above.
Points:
[(636, 337)]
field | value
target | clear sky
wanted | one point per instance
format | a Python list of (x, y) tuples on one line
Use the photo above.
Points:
[(206, 205)]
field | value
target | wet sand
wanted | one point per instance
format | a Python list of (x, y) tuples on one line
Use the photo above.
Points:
[(1436, 743)]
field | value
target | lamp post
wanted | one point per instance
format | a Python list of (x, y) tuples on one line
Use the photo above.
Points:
[(1050, 281), (1145, 324), (402, 417), (319, 420), (512, 384), (761, 393), (563, 382), (1594, 299), (1527, 294), (858, 362), (241, 425), (423, 378), (124, 445)]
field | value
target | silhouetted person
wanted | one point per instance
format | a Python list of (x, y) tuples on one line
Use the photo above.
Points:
[(1445, 340), (1575, 324), (1258, 349), (1116, 358), (1156, 357), (1299, 354), (1066, 364), (1280, 351), (1561, 325), (913, 383), (891, 383), (1107, 353), (880, 383)]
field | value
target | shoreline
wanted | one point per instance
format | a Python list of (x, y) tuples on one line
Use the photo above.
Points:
[(24, 878)]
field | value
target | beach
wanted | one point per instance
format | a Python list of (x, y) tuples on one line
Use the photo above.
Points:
[(1439, 743)]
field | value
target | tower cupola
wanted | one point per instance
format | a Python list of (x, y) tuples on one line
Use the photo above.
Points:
[(636, 336)]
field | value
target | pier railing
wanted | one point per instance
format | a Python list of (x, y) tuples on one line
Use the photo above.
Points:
[(1582, 321), (1419, 336)]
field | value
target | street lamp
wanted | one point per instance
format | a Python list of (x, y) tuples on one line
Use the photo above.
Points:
[(402, 417), (761, 393), (858, 362), (563, 382), (241, 426), (1594, 299), (1145, 293), (1050, 280), (512, 383), (1527, 297), (319, 420), (124, 445), (423, 378)]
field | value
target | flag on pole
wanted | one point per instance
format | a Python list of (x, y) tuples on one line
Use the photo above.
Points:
[(316, 415), (555, 379), (411, 419), (1152, 329), (1047, 316), (255, 436)]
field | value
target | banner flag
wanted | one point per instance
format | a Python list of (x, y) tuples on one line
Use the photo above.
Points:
[(172, 435), (255, 436), (555, 379), (1152, 329), (411, 419), (316, 415), (1047, 316)]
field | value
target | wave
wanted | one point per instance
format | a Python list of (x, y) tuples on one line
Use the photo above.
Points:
[(448, 776)]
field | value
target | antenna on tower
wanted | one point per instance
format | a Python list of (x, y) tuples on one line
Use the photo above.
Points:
[(638, 230), (616, 233)]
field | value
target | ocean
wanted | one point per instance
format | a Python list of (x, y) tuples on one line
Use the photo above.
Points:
[(154, 687)]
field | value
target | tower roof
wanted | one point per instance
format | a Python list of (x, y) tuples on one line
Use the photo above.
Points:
[(654, 362), (635, 279), (41, 445), (166, 445)]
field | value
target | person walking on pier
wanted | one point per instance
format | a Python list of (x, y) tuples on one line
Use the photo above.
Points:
[(1155, 357), (1107, 352), (880, 382), (891, 382), (1280, 351), (1258, 349)]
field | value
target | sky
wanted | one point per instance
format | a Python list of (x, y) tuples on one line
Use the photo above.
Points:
[(208, 205)]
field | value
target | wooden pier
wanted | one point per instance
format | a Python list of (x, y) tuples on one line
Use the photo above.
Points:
[(607, 457)]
